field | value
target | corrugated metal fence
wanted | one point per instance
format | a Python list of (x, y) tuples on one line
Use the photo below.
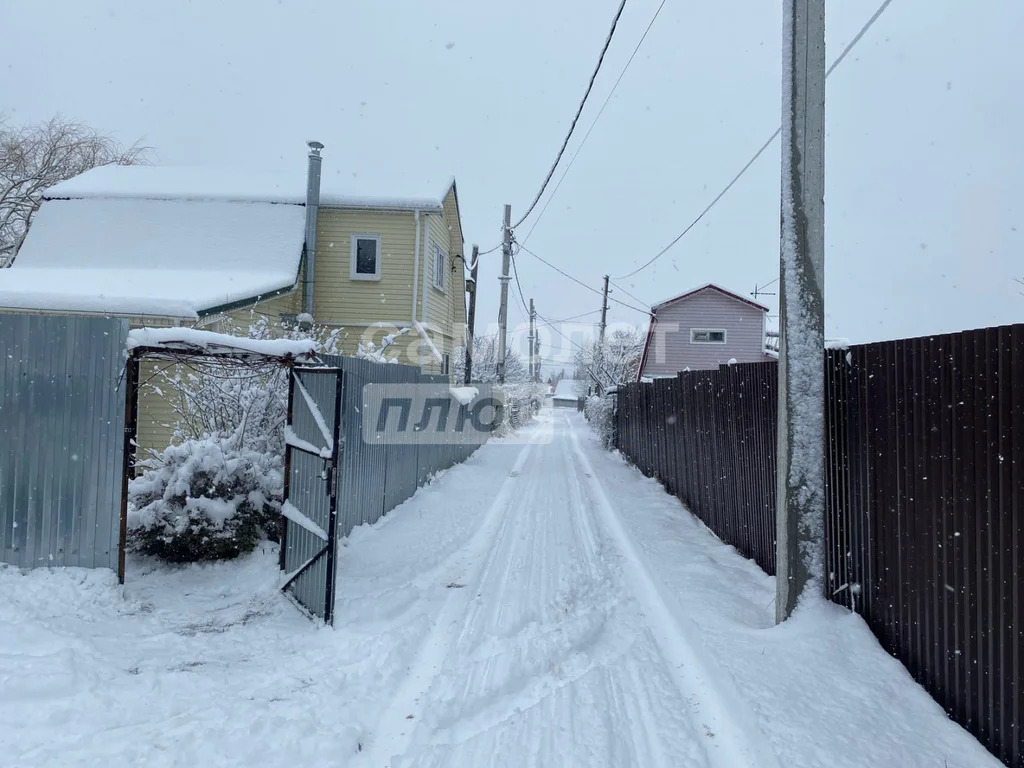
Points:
[(378, 476), (709, 437), (925, 517), (62, 415)]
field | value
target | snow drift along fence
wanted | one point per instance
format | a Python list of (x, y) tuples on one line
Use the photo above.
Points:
[(925, 502), (709, 437)]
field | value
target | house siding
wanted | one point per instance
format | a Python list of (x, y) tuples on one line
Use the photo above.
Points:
[(670, 350), (273, 309), (339, 300), (445, 310), (458, 247)]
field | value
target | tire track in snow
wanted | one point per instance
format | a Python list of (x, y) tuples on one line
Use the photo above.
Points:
[(737, 739), (395, 730), (546, 670)]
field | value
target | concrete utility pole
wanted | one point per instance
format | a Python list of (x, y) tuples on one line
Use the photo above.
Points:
[(471, 319), (506, 257), (604, 309), (533, 339), (800, 481), (536, 352)]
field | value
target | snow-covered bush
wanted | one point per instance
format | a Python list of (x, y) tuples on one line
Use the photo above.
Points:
[(600, 412), (611, 362), (218, 491), (521, 402), (247, 402), (205, 499)]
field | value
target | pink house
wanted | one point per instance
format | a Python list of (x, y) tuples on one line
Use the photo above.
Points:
[(703, 328)]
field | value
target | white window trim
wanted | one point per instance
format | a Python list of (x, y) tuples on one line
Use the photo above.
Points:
[(440, 256), (353, 275), (723, 331)]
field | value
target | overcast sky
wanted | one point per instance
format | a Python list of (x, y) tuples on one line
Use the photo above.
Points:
[(925, 172)]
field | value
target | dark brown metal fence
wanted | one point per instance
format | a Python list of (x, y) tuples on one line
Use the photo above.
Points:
[(709, 437), (925, 503)]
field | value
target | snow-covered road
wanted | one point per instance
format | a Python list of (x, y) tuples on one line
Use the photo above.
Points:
[(553, 648), (541, 605)]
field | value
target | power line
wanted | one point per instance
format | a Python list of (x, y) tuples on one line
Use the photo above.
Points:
[(589, 130), (519, 287), (579, 111), (590, 370), (635, 298), (743, 170), (574, 317), (580, 282)]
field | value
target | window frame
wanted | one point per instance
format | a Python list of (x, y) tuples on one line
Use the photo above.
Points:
[(709, 331), (353, 274), (440, 256)]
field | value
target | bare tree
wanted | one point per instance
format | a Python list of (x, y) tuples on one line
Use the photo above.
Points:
[(610, 363), (36, 157), (485, 362)]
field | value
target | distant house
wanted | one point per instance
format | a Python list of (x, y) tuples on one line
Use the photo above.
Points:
[(567, 393), (703, 329), (204, 247)]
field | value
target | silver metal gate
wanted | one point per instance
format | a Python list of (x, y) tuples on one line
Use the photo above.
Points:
[(310, 510)]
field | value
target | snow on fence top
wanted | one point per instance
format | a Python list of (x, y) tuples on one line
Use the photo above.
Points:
[(223, 184), (208, 342), (178, 259)]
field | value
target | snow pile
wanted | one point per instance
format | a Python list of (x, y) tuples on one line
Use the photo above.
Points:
[(213, 343), (464, 395), (150, 257), (205, 499)]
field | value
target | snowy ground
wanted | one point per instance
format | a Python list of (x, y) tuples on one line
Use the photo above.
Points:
[(541, 605)]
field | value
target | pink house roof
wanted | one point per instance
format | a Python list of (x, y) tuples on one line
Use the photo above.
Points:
[(712, 287)]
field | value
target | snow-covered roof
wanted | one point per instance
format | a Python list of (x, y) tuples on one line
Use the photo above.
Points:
[(235, 185), (714, 287), (172, 258), (568, 389)]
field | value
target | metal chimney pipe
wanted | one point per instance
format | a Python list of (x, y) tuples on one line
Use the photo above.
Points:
[(312, 207)]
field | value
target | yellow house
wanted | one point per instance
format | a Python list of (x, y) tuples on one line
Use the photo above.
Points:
[(198, 247)]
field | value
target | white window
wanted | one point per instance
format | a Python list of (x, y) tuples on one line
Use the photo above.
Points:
[(365, 264), (440, 267), (446, 365), (707, 336)]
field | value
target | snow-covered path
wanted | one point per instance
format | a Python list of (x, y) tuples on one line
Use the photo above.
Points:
[(541, 605), (553, 649)]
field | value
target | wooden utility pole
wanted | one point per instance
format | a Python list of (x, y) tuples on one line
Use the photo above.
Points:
[(471, 319), (604, 309), (506, 257), (533, 339), (800, 481)]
